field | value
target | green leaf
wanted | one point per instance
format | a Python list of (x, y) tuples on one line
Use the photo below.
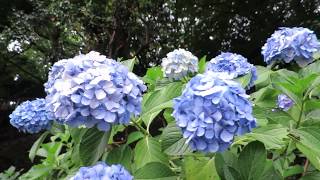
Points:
[(167, 115), (202, 64), (121, 155), (154, 102), (37, 172), (308, 142), (92, 146), (244, 80), (172, 141), (252, 161), (36, 145), (273, 136), (311, 176), (134, 136), (148, 150), (225, 163), (293, 170), (263, 76), (202, 168), (154, 73), (129, 63), (154, 170), (312, 68)]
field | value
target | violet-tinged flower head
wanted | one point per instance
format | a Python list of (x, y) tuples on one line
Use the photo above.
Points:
[(284, 102), (102, 171), (179, 63), (211, 111), (91, 89), (231, 65), (31, 116), (291, 44)]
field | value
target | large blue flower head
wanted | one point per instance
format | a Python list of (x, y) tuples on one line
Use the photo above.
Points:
[(211, 111), (231, 66), (102, 171), (284, 102), (31, 116), (291, 44), (91, 89), (179, 63)]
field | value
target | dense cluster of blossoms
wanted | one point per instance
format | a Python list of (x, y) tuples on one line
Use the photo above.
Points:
[(91, 89), (102, 171), (231, 66), (211, 111), (288, 44), (284, 102), (179, 63), (31, 116)]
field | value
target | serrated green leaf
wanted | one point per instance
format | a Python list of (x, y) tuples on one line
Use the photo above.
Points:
[(121, 155), (92, 146), (273, 136), (308, 142), (154, 170), (244, 80), (202, 168), (148, 150), (134, 136)]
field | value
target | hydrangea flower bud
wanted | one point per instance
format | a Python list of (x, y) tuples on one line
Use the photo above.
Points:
[(93, 90), (284, 102), (179, 63), (231, 65), (211, 111), (291, 44), (31, 116), (102, 171)]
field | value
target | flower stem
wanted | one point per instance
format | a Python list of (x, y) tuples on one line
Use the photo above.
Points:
[(137, 125)]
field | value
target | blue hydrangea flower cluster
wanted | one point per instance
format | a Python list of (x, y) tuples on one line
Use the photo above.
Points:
[(31, 116), (179, 63), (284, 102), (231, 65), (211, 111), (91, 89), (102, 171), (288, 44)]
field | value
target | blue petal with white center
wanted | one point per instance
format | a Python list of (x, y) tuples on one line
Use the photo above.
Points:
[(211, 111), (92, 90)]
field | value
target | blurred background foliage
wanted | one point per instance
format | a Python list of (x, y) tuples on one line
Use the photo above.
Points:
[(36, 33)]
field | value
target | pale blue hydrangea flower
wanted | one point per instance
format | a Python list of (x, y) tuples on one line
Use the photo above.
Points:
[(102, 171), (31, 116), (291, 44), (91, 89), (178, 64), (211, 111), (284, 102), (231, 65)]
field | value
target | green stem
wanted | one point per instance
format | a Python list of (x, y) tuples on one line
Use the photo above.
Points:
[(300, 115), (272, 65), (137, 125)]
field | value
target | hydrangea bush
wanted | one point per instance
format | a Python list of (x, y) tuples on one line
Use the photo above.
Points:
[(195, 121)]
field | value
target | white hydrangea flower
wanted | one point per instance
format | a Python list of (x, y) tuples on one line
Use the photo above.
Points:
[(179, 63)]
